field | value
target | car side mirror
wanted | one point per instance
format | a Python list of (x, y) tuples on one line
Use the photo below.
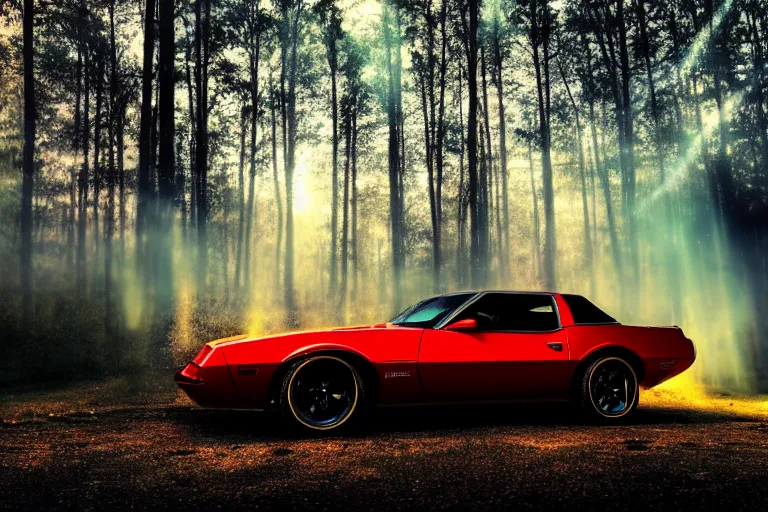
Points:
[(467, 324)]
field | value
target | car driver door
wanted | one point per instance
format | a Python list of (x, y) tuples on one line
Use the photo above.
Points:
[(515, 351)]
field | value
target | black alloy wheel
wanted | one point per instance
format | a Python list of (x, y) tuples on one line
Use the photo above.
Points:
[(610, 389), (322, 392)]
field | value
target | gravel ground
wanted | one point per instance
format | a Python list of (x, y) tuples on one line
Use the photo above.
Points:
[(121, 445)]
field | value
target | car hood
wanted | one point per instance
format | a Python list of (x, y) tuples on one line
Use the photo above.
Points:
[(245, 337)]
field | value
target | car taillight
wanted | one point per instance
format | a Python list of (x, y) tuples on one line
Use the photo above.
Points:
[(191, 374), (202, 355)]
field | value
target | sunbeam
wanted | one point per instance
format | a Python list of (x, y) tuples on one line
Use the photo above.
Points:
[(702, 40)]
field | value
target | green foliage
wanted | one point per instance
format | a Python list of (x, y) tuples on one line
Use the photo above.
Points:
[(698, 178)]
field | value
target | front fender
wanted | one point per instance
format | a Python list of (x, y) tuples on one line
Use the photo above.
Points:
[(309, 349)]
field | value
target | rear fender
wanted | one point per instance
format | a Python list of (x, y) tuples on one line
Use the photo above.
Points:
[(604, 350)]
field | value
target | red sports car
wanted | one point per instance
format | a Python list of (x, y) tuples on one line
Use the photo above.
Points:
[(487, 346)]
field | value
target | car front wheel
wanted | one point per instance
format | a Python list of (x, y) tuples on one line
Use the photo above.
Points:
[(609, 390), (321, 393)]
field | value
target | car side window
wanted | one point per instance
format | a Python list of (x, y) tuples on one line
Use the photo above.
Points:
[(513, 312)]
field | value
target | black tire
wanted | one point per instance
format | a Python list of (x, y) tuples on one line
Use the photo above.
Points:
[(308, 400), (609, 390)]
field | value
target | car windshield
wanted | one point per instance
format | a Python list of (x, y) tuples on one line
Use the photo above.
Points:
[(429, 312)]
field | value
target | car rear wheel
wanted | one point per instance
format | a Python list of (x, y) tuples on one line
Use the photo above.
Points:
[(321, 393), (609, 390)]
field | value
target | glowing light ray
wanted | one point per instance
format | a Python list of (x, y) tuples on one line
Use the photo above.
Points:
[(701, 40), (682, 166), (691, 59)]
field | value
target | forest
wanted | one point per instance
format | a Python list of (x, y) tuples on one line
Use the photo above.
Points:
[(172, 172)]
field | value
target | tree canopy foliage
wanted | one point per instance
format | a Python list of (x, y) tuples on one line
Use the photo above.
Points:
[(176, 170)]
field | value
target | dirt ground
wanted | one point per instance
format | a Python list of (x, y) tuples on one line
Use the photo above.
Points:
[(134, 443)]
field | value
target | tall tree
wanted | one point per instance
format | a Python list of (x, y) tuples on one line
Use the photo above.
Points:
[(166, 163), (588, 258), (430, 70), (590, 88), (27, 187), (330, 19), (97, 138), (84, 171), (629, 140), (485, 207), (537, 17), (241, 196), (670, 252), (610, 30), (109, 223), (253, 28), (469, 18), (274, 99), (352, 102), (394, 152), (145, 129), (292, 12), (498, 42), (202, 62)]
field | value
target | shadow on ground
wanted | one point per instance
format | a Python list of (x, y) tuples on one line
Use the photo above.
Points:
[(425, 421)]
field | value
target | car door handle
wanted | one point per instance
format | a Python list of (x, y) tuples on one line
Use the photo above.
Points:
[(556, 346)]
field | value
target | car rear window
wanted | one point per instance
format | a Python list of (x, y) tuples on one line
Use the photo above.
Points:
[(584, 312)]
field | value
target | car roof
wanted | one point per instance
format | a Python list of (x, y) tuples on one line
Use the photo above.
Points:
[(490, 290)]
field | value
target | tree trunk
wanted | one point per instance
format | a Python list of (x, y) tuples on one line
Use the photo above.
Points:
[(482, 198), (461, 217), (202, 43), (502, 143), (487, 178), (254, 90), (428, 153), (354, 205), (602, 174), (588, 258), (192, 133), (628, 145), (83, 184), (398, 73), (542, 90), (97, 171), (72, 264), (670, 250), (292, 319), (181, 183), (334, 179), (120, 135), (109, 224), (608, 53), (278, 198), (600, 169), (225, 247), (166, 166), (536, 230), (145, 129), (438, 143), (345, 217), (27, 187), (394, 160), (477, 257), (240, 202)]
